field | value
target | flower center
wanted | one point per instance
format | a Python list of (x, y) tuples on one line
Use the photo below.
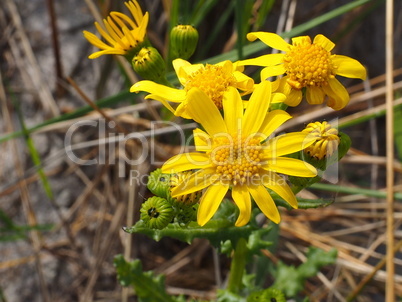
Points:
[(308, 64), (213, 80), (237, 159)]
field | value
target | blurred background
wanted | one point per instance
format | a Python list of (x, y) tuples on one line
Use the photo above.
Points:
[(62, 210)]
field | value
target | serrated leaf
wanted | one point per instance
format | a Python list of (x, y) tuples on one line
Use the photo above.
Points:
[(148, 288), (290, 280)]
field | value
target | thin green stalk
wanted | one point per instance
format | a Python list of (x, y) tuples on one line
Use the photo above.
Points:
[(238, 266), (348, 190), (239, 11)]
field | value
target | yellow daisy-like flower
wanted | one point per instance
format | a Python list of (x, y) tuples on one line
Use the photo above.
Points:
[(122, 33), (235, 153), (309, 65), (327, 139), (213, 80)]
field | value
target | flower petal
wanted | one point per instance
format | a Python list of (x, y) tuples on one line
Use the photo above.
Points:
[(294, 97), (348, 67), (288, 143), (265, 202), (315, 95), (196, 182), (257, 108), (278, 184), (271, 39), (290, 166), (273, 120), (324, 42), (272, 71), (265, 60), (210, 202), (202, 140), (243, 82), (338, 95), (186, 161), (241, 197), (203, 110), (168, 93), (233, 109)]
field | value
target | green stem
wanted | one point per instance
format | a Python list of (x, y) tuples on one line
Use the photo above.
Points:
[(238, 266)]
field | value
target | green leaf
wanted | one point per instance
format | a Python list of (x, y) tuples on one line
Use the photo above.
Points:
[(148, 288), (290, 280)]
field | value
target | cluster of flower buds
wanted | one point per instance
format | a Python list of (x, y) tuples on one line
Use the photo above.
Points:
[(160, 210)]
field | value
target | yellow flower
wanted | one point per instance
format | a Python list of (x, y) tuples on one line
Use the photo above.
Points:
[(327, 140), (309, 65), (213, 80), (122, 33), (235, 153)]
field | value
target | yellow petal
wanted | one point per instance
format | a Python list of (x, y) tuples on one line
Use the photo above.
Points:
[(162, 100), (265, 60), (203, 110), (348, 67), (324, 42), (338, 95), (294, 97), (243, 82), (273, 120), (290, 166), (186, 161), (196, 182), (257, 108), (210, 202), (315, 95), (110, 51), (202, 140), (94, 40), (288, 143), (233, 109), (272, 71), (279, 186), (168, 93), (271, 39), (178, 65), (241, 197), (265, 202), (278, 97)]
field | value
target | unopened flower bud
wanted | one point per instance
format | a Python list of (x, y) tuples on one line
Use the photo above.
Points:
[(149, 64), (156, 212), (183, 41), (327, 140), (159, 184)]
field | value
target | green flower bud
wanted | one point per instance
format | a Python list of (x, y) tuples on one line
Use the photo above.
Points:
[(183, 41), (186, 214), (156, 212), (159, 184), (149, 64)]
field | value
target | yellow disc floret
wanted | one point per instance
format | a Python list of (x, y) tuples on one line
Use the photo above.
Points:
[(308, 64), (237, 159), (213, 80), (327, 140)]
